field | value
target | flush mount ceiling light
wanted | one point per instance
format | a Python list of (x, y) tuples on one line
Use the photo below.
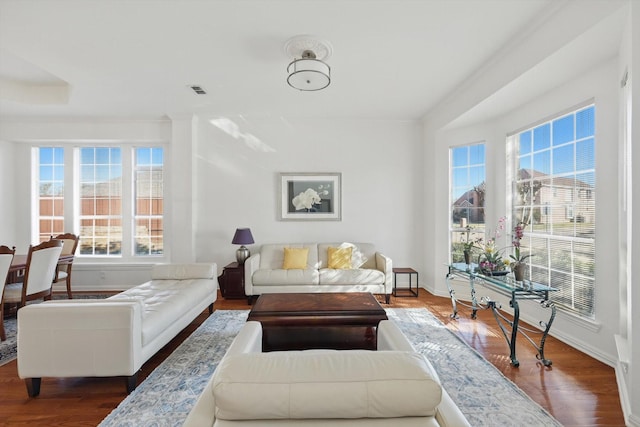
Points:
[(308, 71)]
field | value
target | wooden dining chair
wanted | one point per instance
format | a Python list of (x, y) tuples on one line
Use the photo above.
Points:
[(6, 256), (63, 272), (38, 276)]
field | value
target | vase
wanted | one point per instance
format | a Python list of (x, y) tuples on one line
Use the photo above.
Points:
[(467, 257), (518, 271)]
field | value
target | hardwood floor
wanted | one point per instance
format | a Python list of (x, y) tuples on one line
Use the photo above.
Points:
[(577, 389)]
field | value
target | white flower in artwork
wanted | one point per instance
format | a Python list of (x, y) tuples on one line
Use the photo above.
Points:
[(323, 190), (306, 199)]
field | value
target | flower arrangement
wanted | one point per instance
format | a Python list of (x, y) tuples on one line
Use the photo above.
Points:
[(518, 266), (309, 198), (467, 243), (490, 260), (518, 234)]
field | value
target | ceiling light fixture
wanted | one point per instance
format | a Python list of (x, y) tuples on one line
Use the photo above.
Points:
[(308, 71)]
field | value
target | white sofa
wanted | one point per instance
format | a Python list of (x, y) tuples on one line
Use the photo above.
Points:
[(371, 271), (113, 336), (394, 386)]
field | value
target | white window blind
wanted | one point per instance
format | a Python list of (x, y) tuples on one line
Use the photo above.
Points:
[(554, 193)]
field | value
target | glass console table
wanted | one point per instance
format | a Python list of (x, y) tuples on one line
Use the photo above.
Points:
[(516, 291)]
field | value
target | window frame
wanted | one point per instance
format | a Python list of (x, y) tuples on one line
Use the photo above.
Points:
[(465, 231), (72, 206), (570, 200)]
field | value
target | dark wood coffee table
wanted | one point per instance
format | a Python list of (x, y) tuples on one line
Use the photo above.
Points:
[(340, 321)]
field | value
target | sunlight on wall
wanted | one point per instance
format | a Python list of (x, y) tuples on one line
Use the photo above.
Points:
[(232, 129)]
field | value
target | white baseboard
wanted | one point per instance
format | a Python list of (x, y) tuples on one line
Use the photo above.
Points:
[(621, 375)]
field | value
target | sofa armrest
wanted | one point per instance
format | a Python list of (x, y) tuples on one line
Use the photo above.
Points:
[(384, 264), (448, 414), (390, 337), (72, 339), (248, 340), (251, 265)]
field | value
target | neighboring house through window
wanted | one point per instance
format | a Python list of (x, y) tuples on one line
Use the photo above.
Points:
[(468, 188)]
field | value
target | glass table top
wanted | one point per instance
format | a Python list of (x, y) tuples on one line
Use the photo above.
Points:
[(505, 282)]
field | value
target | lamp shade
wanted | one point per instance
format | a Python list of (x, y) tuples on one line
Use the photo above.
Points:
[(242, 237), (308, 74)]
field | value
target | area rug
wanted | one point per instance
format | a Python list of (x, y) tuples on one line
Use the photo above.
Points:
[(167, 395), (8, 348), (483, 394)]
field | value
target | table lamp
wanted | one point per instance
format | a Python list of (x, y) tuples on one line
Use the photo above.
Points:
[(242, 237)]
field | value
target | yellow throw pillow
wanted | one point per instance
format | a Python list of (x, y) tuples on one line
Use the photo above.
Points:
[(339, 258), (295, 258)]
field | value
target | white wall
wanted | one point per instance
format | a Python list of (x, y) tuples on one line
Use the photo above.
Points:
[(19, 136), (7, 194), (238, 183), (217, 182), (628, 368)]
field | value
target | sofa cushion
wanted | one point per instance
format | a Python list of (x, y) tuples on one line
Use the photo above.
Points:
[(164, 301), (295, 258), (272, 255), (329, 276), (285, 277), (324, 384), (339, 258), (363, 254)]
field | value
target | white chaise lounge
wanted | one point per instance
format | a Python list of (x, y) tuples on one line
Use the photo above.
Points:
[(113, 336)]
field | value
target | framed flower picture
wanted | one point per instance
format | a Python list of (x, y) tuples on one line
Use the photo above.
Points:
[(311, 196)]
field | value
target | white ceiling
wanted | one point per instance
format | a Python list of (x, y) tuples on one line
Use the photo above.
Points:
[(392, 59)]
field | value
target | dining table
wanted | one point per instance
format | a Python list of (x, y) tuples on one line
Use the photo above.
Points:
[(19, 266)]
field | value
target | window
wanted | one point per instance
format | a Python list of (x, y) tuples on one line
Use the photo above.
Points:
[(50, 192), (100, 201), (554, 194), (149, 201), (117, 209), (467, 171)]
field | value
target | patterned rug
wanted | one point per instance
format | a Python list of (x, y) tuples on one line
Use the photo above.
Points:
[(8, 347), (483, 394)]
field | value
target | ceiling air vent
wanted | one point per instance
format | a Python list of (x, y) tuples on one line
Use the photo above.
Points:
[(198, 90)]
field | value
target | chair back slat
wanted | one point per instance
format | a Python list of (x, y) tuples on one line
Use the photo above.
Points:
[(41, 267), (6, 256), (70, 243)]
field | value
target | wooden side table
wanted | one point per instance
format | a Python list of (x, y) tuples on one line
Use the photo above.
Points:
[(231, 281), (407, 292)]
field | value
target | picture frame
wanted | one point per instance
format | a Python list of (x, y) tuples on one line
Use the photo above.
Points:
[(311, 196)]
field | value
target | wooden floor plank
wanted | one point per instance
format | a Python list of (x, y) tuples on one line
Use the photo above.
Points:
[(577, 389)]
